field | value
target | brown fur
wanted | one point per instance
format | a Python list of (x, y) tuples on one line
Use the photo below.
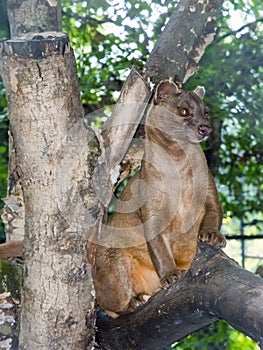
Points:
[(11, 249), (170, 203)]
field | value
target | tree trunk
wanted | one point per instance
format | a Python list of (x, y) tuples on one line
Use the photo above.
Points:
[(51, 201), (214, 287), (33, 16), (54, 167)]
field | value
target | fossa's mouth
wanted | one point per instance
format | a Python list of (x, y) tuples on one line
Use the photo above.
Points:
[(204, 131)]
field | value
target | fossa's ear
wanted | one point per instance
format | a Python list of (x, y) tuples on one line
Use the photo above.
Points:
[(164, 89), (200, 91)]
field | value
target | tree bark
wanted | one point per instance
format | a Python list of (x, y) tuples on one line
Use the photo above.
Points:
[(51, 200), (214, 287), (33, 16), (180, 46), (55, 157), (119, 130), (29, 16)]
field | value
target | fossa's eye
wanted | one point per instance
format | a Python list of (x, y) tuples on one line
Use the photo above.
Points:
[(207, 116), (184, 112)]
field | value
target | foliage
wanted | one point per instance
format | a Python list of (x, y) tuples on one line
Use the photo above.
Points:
[(4, 28), (236, 100), (10, 278), (108, 38), (217, 336)]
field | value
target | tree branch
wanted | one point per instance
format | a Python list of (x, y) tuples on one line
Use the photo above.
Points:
[(214, 287), (251, 25), (181, 45)]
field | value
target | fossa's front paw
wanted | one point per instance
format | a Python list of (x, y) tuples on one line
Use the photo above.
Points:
[(213, 238)]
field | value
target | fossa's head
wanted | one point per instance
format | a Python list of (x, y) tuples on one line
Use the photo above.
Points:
[(183, 110)]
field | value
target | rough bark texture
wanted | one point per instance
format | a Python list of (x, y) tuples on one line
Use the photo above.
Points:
[(215, 287), (54, 157), (127, 114), (50, 196), (13, 214), (179, 48), (29, 16)]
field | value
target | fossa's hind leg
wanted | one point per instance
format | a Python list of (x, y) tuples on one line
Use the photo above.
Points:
[(113, 282)]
